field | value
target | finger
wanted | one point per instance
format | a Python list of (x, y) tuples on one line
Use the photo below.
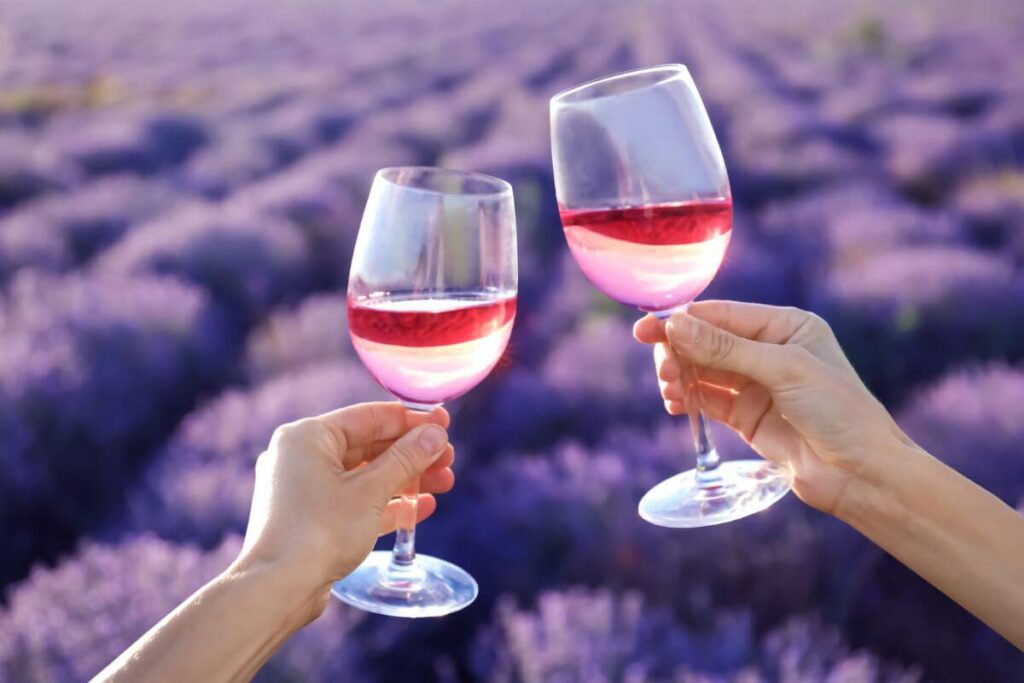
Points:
[(446, 459), (763, 428), (775, 325), (365, 423), (670, 372), (359, 456), (437, 480), (707, 346), (665, 363), (759, 322), (675, 407), (407, 458), (723, 378), (672, 391), (426, 504), (649, 330)]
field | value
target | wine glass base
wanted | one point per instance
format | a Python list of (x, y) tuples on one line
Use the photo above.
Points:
[(740, 488), (439, 588)]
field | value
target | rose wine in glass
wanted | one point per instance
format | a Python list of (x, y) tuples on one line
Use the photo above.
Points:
[(427, 351), (647, 211), (650, 256), (431, 304)]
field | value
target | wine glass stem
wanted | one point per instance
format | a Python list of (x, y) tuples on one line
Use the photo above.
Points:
[(707, 457), (404, 552), (402, 571)]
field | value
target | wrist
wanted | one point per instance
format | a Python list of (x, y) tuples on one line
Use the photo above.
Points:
[(302, 596), (876, 495)]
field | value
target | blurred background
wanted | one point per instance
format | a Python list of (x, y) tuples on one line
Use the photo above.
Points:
[(180, 187)]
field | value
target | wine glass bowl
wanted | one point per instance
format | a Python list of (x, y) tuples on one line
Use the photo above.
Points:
[(431, 305), (646, 208)]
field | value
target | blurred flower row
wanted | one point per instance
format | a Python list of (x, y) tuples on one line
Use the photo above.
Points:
[(176, 218)]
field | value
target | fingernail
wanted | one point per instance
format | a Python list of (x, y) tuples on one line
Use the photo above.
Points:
[(432, 438), (683, 329)]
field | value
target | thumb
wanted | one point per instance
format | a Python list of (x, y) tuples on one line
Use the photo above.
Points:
[(406, 458), (707, 346)]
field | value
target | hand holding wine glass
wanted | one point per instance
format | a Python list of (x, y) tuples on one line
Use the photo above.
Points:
[(431, 304), (334, 478), (324, 491), (779, 378), (647, 211)]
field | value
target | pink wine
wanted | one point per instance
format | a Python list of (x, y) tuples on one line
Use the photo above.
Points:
[(653, 257), (429, 350)]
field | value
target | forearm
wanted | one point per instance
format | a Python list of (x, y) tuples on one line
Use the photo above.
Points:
[(954, 534), (224, 632)]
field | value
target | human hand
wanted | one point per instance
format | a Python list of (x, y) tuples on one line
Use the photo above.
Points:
[(324, 489), (779, 378)]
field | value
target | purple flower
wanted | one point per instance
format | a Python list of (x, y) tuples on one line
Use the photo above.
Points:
[(568, 515), (245, 260), (287, 133), (28, 169), (134, 142), (907, 314), (563, 395), (625, 385), (315, 331), (227, 164), (924, 153), (517, 148), (782, 169), (200, 485), (346, 168), (67, 623), (568, 300), (994, 208), (58, 232), (845, 222), (797, 229), (104, 369), (862, 231), (805, 650), (321, 204), (753, 271), (599, 637), (973, 420)]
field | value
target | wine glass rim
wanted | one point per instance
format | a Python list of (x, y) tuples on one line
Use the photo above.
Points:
[(498, 186), (672, 71)]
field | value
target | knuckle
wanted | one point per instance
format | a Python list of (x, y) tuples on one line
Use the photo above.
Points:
[(671, 391), (793, 362), (818, 325), (662, 372), (719, 345), (405, 459), (286, 433), (297, 433)]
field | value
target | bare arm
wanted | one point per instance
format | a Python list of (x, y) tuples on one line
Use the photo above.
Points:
[(224, 632), (779, 378), (323, 494), (950, 531)]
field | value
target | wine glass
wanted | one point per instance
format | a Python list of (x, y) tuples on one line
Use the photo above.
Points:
[(646, 208), (431, 303)]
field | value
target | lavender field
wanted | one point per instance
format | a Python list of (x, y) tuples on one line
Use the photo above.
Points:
[(180, 188)]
